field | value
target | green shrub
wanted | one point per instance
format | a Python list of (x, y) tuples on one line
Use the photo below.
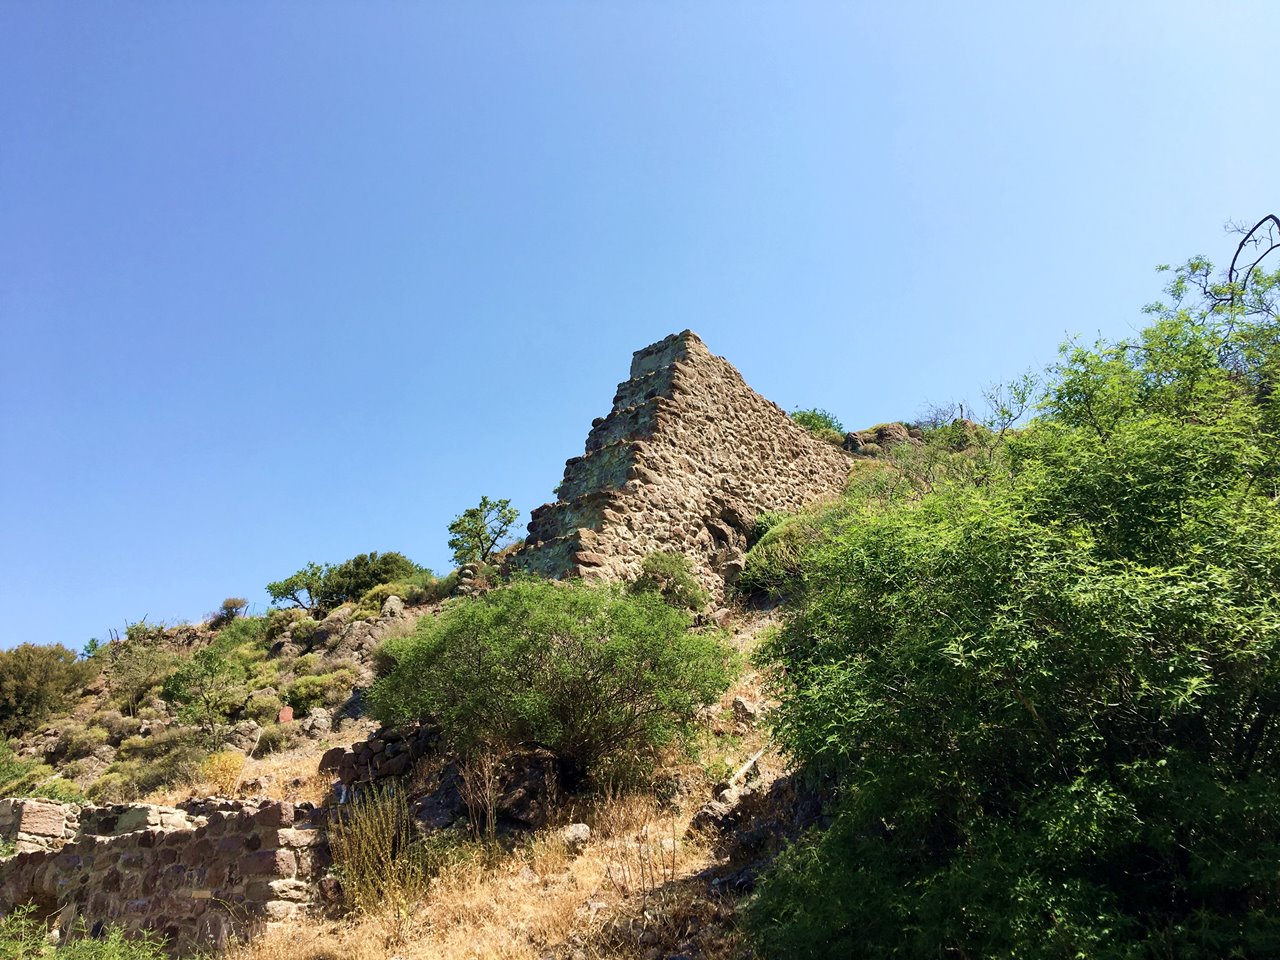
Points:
[(319, 589), (263, 707), (279, 621), (138, 664), (144, 764), (670, 576), (24, 937), (25, 777), (589, 671), (1047, 702), (773, 566), (818, 421), (208, 687), (277, 737), (76, 741), (323, 690), (244, 632), (36, 681), (833, 437), (348, 582)]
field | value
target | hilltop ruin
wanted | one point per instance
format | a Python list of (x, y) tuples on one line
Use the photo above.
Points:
[(686, 460)]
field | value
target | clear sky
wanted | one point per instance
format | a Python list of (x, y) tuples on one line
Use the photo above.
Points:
[(283, 282)]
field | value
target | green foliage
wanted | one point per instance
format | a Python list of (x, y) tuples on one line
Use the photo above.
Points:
[(323, 690), (817, 420), (22, 777), (1047, 692), (670, 576), (279, 621), (415, 590), (319, 589), (23, 936), (300, 589), (478, 531), (348, 581), (138, 664), (36, 681), (207, 687), (589, 671), (144, 764)]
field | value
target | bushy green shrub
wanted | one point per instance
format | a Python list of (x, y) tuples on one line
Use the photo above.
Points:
[(276, 737), (24, 937), (138, 664), (590, 671), (1047, 702), (670, 575), (817, 420), (323, 690), (348, 582), (25, 777), (76, 740), (319, 589), (143, 764), (36, 681), (279, 621), (263, 707)]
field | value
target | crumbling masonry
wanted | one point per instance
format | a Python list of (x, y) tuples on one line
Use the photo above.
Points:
[(686, 460)]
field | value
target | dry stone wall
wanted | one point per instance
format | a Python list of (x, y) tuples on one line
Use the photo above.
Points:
[(199, 875), (686, 460)]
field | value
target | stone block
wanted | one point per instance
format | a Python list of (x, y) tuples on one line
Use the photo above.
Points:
[(42, 818)]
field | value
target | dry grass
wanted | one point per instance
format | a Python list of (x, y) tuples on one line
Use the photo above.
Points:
[(535, 900), (289, 775), (634, 891)]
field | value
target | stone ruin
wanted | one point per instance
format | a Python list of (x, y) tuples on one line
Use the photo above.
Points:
[(686, 461), (200, 874)]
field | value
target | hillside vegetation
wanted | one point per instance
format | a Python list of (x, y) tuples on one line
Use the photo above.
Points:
[(1041, 684), (1016, 693)]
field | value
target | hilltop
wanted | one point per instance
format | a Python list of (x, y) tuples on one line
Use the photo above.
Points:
[(752, 686)]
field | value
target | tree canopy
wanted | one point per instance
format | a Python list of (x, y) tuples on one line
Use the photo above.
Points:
[(1046, 693)]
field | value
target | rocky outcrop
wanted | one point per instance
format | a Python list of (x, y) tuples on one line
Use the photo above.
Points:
[(199, 875), (685, 461)]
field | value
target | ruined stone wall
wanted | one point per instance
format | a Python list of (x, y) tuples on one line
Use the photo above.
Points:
[(687, 459), (199, 875)]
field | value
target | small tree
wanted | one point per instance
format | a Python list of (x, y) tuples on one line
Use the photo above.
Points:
[(231, 608), (137, 663), (37, 680), (299, 590), (476, 532), (208, 687)]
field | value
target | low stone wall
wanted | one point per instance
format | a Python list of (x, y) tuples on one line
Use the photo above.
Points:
[(198, 875), (390, 752)]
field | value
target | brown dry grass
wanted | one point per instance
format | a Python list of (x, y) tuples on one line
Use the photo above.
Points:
[(289, 775), (534, 901), (634, 891)]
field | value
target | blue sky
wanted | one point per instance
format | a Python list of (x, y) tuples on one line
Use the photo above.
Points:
[(284, 282)]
